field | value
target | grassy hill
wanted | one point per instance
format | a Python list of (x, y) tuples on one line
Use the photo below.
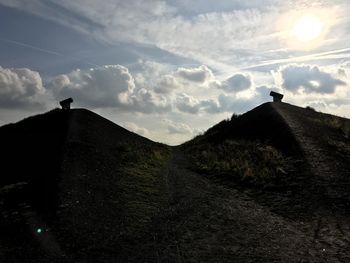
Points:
[(279, 146), (271, 185)]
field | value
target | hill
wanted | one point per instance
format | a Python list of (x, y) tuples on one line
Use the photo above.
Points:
[(317, 143), (68, 178), (267, 186)]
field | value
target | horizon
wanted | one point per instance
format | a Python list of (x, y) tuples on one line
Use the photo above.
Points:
[(169, 70)]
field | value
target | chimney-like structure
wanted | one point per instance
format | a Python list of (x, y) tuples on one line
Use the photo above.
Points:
[(277, 97), (65, 104)]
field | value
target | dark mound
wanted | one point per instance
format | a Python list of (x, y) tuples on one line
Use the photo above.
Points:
[(263, 123), (268, 186), (33, 149), (60, 170), (284, 147)]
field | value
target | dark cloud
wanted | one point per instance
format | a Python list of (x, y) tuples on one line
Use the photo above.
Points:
[(297, 78), (20, 88)]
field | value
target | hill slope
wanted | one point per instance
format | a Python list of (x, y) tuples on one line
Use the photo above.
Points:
[(324, 140), (248, 190), (291, 160), (78, 179)]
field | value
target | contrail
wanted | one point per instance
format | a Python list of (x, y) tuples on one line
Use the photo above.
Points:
[(333, 54), (45, 50)]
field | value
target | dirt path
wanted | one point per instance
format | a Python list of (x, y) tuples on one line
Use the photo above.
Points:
[(331, 175), (207, 222), (331, 220)]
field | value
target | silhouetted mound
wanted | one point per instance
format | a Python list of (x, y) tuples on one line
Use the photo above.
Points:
[(35, 147), (62, 174), (293, 161), (263, 123), (278, 146), (271, 185)]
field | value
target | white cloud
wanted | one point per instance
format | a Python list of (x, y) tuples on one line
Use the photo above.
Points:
[(20, 87), (210, 106), (135, 128), (308, 79), (108, 86), (97, 87), (215, 37), (146, 101), (187, 103), (167, 84), (156, 77), (200, 75), (177, 127)]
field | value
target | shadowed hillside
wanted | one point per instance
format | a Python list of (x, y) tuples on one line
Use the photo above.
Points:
[(76, 178), (271, 185)]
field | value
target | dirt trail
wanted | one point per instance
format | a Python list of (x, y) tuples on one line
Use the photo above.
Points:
[(206, 222), (331, 219), (330, 175)]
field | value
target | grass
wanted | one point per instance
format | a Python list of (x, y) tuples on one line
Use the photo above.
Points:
[(142, 182), (339, 124), (249, 162), (335, 123)]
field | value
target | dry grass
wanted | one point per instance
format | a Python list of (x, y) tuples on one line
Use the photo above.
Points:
[(250, 162)]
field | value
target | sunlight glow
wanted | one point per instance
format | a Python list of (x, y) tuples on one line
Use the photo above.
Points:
[(308, 28)]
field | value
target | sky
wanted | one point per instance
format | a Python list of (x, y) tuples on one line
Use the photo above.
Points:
[(169, 70)]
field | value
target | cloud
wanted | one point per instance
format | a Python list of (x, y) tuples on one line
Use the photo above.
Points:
[(210, 106), (108, 86), (236, 83), (187, 103), (166, 84), (20, 88), (178, 128), (96, 87), (157, 77), (308, 79), (135, 128), (201, 74), (232, 104), (146, 101)]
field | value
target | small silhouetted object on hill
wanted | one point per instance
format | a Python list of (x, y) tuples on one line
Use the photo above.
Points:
[(65, 104), (277, 97)]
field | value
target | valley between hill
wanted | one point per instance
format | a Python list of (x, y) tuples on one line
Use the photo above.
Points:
[(268, 186)]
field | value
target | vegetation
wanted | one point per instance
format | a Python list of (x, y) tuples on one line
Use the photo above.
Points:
[(142, 182), (339, 124), (249, 162)]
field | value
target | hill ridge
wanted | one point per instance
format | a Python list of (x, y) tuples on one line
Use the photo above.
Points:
[(327, 170)]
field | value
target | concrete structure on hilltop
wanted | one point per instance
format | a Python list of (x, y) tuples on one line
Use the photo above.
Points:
[(277, 97), (65, 104)]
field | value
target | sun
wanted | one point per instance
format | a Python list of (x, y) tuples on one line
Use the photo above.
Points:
[(308, 28)]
